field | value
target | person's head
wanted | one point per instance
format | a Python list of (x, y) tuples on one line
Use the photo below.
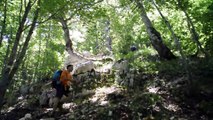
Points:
[(70, 68)]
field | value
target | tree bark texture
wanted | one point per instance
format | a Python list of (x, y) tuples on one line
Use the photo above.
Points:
[(155, 37)]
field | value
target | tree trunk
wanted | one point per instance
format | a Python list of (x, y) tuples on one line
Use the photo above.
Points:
[(5, 81), (10, 69), (177, 42), (194, 34), (25, 46), (155, 37), (191, 27), (18, 35), (3, 30), (107, 37), (66, 35)]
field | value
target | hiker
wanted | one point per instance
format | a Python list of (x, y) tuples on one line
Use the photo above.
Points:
[(63, 88)]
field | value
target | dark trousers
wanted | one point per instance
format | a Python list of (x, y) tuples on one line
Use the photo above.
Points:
[(60, 91)]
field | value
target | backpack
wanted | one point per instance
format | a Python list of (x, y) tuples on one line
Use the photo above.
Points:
[(56, 78)]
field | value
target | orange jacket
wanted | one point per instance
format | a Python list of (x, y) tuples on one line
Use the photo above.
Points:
[(65, 77)]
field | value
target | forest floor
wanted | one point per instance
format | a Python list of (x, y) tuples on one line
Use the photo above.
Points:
[(153, 97)]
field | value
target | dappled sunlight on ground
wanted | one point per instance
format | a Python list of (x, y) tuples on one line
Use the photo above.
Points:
[(152, 97), (101, 94)]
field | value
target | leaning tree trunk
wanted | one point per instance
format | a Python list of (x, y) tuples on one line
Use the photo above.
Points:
[(155, 37), (191, 27), (194, 34), (66, 35), (177, 42), (15, 60)]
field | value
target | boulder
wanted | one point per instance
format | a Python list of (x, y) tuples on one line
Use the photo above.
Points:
[(87, 66), (122, 66), (43, 99)]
